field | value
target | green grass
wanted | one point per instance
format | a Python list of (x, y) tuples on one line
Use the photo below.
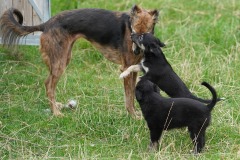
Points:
[(203, 44)]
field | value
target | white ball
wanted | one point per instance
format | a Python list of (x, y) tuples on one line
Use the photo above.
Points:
[(72, 103)]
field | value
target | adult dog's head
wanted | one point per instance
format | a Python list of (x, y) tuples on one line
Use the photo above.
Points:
[(147, 42), (145, 88), (142, 21)]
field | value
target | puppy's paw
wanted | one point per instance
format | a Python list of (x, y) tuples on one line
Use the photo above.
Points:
[(153, 146), (124, 74)]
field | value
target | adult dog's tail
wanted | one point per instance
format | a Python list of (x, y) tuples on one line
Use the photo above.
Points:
[(214, 95), (12, 30)]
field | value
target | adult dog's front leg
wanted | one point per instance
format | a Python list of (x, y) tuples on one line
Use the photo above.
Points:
[(129, 87), (132, 68)]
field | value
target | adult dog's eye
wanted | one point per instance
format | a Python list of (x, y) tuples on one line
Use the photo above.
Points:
[(140, 38)]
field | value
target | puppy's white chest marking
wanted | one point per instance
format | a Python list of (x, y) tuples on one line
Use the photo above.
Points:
[(144, 67)]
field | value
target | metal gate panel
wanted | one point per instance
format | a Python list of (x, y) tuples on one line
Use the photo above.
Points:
[(34, 12)]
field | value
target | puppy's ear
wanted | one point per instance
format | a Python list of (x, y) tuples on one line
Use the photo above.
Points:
[(138, 95), (135, 9), (154, 14), (160, 43), (155, 49)]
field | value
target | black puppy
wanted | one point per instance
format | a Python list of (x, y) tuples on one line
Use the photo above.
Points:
[(157, 69), (168, 113)]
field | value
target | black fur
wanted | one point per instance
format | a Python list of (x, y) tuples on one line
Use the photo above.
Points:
[(94, 27), (160, 71), (168, 113)]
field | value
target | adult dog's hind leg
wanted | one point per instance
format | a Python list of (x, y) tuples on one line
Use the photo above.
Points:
[(56, 59), (50, 85)]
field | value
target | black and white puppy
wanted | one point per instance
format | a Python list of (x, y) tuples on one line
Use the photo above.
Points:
[(168, 113), (157, 69)]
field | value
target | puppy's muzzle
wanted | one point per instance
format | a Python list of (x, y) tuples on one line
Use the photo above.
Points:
[(136, 50)]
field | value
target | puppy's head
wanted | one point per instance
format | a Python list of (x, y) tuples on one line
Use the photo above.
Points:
[(147, 42), (145, 87)]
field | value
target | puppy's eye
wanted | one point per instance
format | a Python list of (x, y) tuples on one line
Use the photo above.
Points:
[(140, 38)]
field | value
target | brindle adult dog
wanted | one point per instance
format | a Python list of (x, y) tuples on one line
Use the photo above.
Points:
[(108, 31)]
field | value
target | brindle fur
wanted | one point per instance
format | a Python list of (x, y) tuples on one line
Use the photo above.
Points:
[(108, 31)]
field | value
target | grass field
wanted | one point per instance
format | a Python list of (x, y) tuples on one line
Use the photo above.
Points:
[(203, 44)]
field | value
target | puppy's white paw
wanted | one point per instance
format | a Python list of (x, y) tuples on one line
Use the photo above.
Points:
[(124, 74)]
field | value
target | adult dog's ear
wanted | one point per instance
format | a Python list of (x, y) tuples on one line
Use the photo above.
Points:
[(138, 95), (135, 9), (154, 14)]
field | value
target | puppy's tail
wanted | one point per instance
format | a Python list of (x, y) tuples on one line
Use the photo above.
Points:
[(214, 95), (11, 30)]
